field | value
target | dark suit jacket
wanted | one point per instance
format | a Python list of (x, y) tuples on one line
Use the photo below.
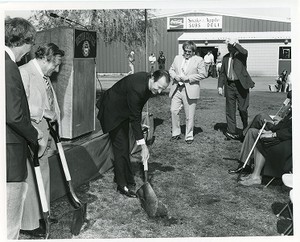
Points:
[(19, 130), (279, 157), (239, 67), (125, 101)]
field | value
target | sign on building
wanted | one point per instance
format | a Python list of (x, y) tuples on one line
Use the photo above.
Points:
[(194, 22)]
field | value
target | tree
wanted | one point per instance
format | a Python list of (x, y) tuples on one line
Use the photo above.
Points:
[(124, 25)]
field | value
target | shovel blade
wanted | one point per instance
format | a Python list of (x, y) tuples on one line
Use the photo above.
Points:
[(79, 216), (148, 199)]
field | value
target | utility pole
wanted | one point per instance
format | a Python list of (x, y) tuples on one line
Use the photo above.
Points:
[(146, 40)]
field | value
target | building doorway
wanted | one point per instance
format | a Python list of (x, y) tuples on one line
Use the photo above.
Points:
[(202, 51), (284, 62)]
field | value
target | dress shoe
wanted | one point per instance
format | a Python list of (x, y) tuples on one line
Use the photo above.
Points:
[(38, 233), (250, 182), (127, 192), (189, 141), (231, 136), (174, 138), (246, 170)]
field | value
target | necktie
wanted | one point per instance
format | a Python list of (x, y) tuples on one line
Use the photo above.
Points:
[(231, 74), (229, 71), (49, 93), (184, 66)]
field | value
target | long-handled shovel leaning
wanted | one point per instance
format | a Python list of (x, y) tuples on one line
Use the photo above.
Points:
[(148, 198), (284, 104), (79, 214), (41, 190), (249, 155)]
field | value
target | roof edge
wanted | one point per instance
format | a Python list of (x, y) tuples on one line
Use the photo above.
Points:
[(288, 20)]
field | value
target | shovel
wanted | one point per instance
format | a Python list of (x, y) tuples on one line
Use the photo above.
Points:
[(79, 214), (148, 198), (249, 155), (41, 190)]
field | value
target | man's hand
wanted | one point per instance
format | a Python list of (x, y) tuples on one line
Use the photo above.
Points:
[(177, 78), (145, 152), (220, 90), (266, 134), (50, 115), (269, 121), (184, 78)]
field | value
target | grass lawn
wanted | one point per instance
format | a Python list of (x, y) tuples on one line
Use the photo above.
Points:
[(203, 200)]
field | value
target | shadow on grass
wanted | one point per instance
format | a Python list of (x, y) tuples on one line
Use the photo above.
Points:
[(138, 169), (197, 130), (157, 122), (220, 126)]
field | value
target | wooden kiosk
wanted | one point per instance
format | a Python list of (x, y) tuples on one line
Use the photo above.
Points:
[(75, 84)]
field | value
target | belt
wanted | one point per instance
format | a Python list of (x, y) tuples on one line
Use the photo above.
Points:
[(230, 81)]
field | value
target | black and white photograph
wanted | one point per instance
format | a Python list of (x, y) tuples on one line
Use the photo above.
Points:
[(157, 120)]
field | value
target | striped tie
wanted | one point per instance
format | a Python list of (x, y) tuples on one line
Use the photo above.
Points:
[(49, 93)]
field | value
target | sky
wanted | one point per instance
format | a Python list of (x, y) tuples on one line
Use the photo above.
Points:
[(255, 8)]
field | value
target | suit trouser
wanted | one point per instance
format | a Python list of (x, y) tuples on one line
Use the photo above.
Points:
[(251, 133), (15, 196), (248, 143), (207, 65), (122, 166), (257, 122), (236, 94), (32, 207), (178, 100)]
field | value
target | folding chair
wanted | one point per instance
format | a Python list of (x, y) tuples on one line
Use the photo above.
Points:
[(288, 181)]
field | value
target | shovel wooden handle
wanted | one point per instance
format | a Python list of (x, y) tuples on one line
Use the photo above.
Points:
[(145, 164), (258, 136), (41, 189), (63, 161)]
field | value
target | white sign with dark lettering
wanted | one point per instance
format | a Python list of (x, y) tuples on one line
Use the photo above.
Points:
[(204, 22), (195, 22)]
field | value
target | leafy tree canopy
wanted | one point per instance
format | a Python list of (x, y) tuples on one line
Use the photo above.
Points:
[(124, 25)]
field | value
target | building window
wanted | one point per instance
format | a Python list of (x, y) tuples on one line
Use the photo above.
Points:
[(285, 53)]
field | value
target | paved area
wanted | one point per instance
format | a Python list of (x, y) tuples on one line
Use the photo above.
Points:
[(261, 82)]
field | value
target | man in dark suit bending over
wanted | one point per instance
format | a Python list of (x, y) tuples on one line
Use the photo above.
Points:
[(120, 106)]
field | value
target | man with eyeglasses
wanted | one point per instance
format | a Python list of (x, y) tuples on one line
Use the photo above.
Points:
[(186, 72), (43, 105)]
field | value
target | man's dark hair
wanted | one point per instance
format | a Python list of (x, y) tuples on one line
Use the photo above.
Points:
[(160, 73), (18, 31), (189, 44), (48, 51)]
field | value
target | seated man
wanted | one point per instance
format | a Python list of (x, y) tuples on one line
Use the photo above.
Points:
[(274, 146), (252, 130)]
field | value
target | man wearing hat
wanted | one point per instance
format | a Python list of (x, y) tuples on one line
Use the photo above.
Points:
[(236, 81)]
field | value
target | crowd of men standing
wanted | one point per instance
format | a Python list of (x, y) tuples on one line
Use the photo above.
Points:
[(31, 101)]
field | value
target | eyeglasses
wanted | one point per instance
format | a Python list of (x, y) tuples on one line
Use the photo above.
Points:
[(30, 41), (187, 51)]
